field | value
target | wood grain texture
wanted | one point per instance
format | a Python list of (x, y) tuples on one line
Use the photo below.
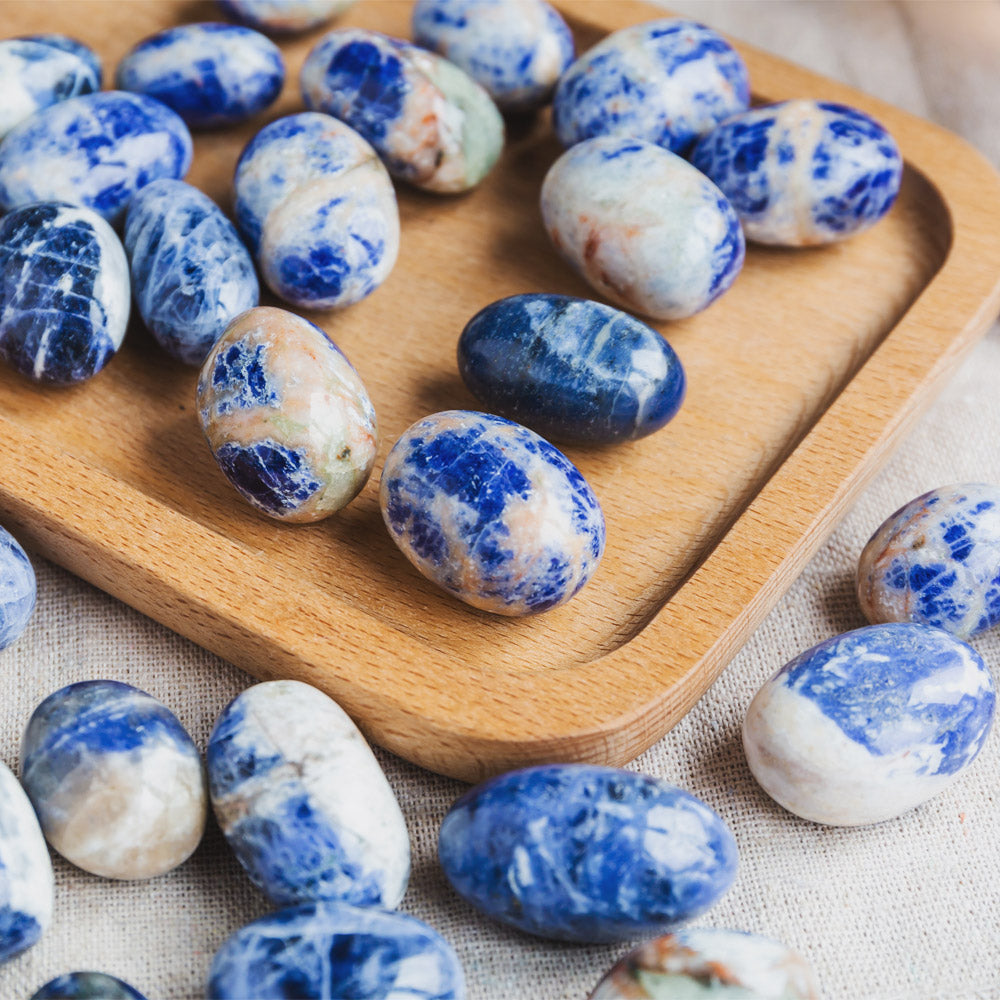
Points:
[(801, 379)]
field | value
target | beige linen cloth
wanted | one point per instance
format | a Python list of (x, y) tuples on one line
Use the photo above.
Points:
[(907, 909)]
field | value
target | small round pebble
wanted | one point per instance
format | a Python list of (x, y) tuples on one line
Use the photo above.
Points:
[(287, 417), (87, 986), (17, 589), (491, 512), (283, 17), (868, 724), (642, 226), (212, 75), (115, 779), (803, 173)]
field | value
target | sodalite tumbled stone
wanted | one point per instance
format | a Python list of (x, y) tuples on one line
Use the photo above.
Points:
[(303, 802), (64, 292), (431, 123), (571, 369), (642, 226), (330, 951), (936, 561), (17, 589), (115, 780), (578, 852), (191, 272), (87, 986), (491, 512), (282, 17), (868, 724), (210, 74), (803, 172)]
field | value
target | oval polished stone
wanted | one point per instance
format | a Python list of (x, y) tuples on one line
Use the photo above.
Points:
[(936, 561), (515, 49), (210, 74), (642, 226), (87, 986), (868, 724), (431, 123), (583, 853), (803, 172), (191, 273), (287, 417), (115, 779), (283, 17), (17, 589), (665, 81), (571, 369), (491, 512), (330, 951), (303, 802), (64, 292)]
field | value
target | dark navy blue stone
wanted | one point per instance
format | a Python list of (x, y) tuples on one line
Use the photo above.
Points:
[(17, 589), (269, 474), (87, 986)]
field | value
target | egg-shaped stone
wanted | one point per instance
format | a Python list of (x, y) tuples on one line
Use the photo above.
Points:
[(191, 273), (96, 150), (665, 81), (212, 75), (283, 17), (287, 417), (706, 962), (803, 172), (17, 589), (318, 210), (868, 724), (642, 226), (87, 986), (515, 49), (115, 779), (431, 123), (303, 802), (64, 292), (936, 561), (571, 369), (491, 512), (26, 883), (578, 852), (330, 951)]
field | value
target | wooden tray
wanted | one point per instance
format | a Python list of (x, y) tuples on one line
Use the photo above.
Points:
[(801, 380)]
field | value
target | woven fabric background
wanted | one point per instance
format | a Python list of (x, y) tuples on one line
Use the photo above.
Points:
[(908, 909)]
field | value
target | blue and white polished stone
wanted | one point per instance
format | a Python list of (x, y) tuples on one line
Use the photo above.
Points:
[(211, 74), (803, 173), (115, 780), (642, 226), (491, 512), (96, 150), (87, 986), (515, 49), (64, 292), (74, 47), (578, 852), (191, 273), (329, 951), (868, 724), (283, 17), (571, 369), (303, 802), (666, 81), (26, 883), (17, 589)]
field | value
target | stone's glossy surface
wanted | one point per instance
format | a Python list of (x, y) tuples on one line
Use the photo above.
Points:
[(318, 210), (491, 512), (803, 172), (868, 724), (17, 589), (115, 779), (642, 226), (286, 416), (705, 962), (666, 81), (73, 47), (936, 561), (515, 49), (332, 951), (571, 369), (578, 852), (26, 883), (96, 150), (87, 986), (281, 17), (210, 74), (303, 802), (64, 292), (191, 272), (431, 123)]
